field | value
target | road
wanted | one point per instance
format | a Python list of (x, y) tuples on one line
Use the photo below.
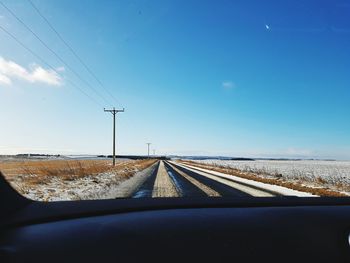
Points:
[(170, 179)]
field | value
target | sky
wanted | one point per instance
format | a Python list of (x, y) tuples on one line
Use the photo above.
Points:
[(230, 78)]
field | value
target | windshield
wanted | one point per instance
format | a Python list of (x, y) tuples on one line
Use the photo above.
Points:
[(136, 99)]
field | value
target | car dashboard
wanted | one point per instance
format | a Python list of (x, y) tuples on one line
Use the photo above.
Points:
[(178, 230)]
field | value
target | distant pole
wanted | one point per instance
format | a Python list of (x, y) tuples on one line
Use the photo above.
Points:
[(154, 152), (114, 112), (148, 144)]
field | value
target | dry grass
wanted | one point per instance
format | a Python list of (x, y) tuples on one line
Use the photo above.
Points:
[(128, 168), (35, 172), (320, 191), (56, 180)]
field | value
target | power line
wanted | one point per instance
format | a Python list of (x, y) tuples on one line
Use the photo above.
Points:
[(53, 52), (72, 50), (46, 63)]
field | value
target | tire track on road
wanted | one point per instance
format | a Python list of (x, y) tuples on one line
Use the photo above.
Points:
[(220, 186), (191, 186), (146, 188), (164, 186)]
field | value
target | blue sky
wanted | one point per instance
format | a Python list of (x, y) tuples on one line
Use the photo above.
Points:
[(235, 78)]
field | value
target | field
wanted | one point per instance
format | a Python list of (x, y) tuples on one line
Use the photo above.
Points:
[(76, 179), (50, 180), (334, 175)]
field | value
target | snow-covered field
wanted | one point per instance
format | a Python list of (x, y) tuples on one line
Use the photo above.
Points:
[(56, 189), (56, 180), (319, 171)]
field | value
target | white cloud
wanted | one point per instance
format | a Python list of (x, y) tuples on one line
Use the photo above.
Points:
[(37, 74), (228, 85), (46, 76), (5, 80)]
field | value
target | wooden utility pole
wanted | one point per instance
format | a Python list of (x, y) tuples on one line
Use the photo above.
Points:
[(148, 144), (114, 112)]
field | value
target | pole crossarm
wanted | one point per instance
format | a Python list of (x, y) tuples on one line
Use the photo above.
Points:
[(113, 111)]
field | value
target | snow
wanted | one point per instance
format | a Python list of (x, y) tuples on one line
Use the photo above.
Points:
[(318, 172), (84, 188), (269, 187)]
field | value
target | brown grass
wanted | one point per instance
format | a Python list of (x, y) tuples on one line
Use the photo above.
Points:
[(35, 172), (321, 191)]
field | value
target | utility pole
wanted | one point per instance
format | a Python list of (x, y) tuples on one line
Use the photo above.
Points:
[(148, 144), (114, 112), (154, 151)]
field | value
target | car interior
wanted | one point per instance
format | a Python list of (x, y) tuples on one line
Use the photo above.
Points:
[(287, 229)]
